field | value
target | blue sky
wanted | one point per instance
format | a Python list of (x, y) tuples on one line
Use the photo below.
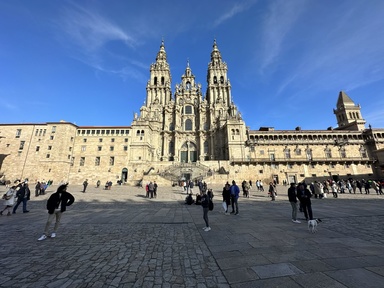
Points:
[(87, 62)]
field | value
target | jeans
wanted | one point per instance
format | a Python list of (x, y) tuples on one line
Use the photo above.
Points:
[(205, 216), (234, 203), (24, 200), (294, 210)]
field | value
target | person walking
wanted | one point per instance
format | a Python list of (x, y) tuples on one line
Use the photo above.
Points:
[(292, 197), (235, 192), (205, 204), (272, 191), (85, 184), (23, 195), (56, 205), (9, 198), (304, 196)]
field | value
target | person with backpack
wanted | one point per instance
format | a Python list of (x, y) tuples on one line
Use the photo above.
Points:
[(205, 199)]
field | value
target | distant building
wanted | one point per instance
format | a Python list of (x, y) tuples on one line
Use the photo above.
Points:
[(183, 134)]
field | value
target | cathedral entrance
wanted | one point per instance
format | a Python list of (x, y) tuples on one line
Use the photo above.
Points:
[(188, 152)]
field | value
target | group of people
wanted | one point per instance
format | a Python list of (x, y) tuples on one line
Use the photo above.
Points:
[(300, 192), (151, 190), (56, 204)]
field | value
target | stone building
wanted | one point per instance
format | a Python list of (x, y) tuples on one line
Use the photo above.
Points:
[(185, 134)]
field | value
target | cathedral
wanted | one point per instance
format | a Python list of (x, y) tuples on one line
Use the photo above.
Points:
[(187, 134)]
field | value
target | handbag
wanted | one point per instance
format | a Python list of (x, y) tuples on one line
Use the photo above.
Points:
[(6, 197), (210, 205), (224, 204)]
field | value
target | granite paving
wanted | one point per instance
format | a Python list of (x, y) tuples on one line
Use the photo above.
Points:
[(119, 238)]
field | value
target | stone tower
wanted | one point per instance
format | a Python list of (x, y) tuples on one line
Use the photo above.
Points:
[(348, 114)]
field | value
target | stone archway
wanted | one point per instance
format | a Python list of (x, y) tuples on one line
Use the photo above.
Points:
[(188, 152), (124, 175)]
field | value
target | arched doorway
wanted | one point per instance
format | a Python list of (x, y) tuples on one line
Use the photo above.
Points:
[(124, 175), (188, 152)]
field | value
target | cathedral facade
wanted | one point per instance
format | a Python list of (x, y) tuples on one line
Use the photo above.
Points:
[(185, 134)]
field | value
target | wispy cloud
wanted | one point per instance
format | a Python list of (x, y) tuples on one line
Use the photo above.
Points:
[(91, 31), (233, 11), (279, 21)]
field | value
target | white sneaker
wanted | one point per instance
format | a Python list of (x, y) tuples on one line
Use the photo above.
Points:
[(43, 237), (207, 229), (53, 235), (296, 221)]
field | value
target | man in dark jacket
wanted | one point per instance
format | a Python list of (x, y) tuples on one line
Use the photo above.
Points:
[(304, 196), (23, 195), (293, 200), (56, 206)]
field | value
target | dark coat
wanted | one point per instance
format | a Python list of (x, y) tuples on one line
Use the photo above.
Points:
[(54, 201), (22, 193), (292, 194), (304, 196)]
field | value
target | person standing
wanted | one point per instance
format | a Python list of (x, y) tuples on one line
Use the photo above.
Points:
[(205, 204), (56, 205), (85, 184), (150, 189), (304, 196), (292, 197), (227, 197), (9, 198), (235, 192), (23, 195), (98, 184), (155, 189), (37, 189)]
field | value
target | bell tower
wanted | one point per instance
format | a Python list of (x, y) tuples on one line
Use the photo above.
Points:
[(159, 84), (348, 114)]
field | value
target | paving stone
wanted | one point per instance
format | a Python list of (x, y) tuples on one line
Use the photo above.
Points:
[(276, 270), (357, 278)]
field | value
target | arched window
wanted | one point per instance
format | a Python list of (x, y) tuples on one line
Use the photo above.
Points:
[(142, 133), (188, 86), (188, 125), (221, 79), (138, 133), (214, 79), (162, 80), (155, 81), (237, 132)]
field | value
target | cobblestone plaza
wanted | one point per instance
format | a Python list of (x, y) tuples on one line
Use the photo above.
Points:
[(119, 238)]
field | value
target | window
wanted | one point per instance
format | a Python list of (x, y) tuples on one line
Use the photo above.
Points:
[(328, 153), (53, 129), (343, 154), (45, 130), (171, 147), (69, 157), (48, 156), (70, 148), (18, 133), (188, 109), (111, 161), (125, 140), (84, 140), (49, 147), (37, 148), (287, 153), (112, 139), (72, 139), (188, 125), (82, 161), (111, 148), (205, 126), (125, 148), (36, 132), (272, 157), (171, 127), (99, 148), (51, 137), (97, 161), (22, 143), (40, 131), (100, 140), (309, 154), (83, 148)]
